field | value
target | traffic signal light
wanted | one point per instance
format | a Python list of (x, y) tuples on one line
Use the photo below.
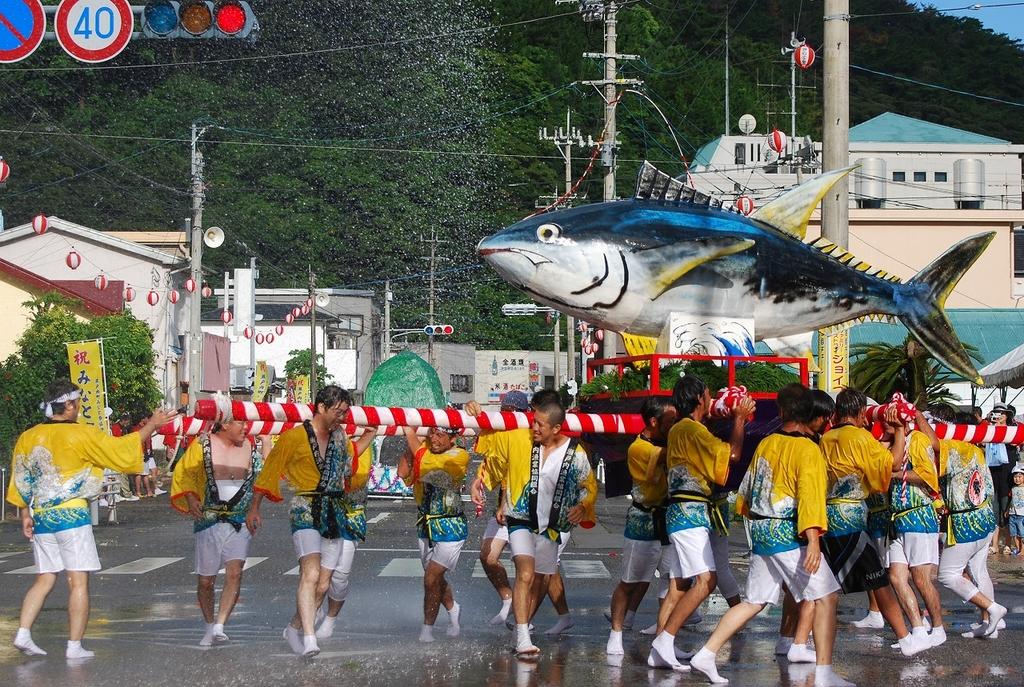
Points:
[(198, 19), (436, 329)]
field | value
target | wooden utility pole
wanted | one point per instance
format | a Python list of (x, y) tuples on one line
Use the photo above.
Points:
[(835, 209)]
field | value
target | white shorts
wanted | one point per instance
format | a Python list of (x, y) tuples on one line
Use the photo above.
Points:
[(73, 549), (340, 577), (540, 548), (309, 542), (882, 546), (693, 548), (444, 553), (914, 548), (639, 560), (767, 574), (219, 544), (669, 563), (149, 465), (561, 546), (495, 531)]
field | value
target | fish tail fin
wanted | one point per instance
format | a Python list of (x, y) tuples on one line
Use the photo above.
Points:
[(927, 293)]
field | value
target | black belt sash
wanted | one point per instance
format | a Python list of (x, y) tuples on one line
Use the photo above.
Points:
[(213, 502), (534, 489)]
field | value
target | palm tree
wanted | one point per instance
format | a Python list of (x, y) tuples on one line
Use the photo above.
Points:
[(880, 369)]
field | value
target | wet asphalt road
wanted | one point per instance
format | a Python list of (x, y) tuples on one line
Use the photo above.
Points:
[(145, 626)]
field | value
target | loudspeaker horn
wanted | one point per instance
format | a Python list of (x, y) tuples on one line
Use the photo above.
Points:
[(213, 237), (322, 300)]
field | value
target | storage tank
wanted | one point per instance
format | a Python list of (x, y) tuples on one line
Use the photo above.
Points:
[(869, 179), (969, 182)]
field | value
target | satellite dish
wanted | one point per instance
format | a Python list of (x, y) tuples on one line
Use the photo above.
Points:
[(747, 123), (322, 300), (213, 237)]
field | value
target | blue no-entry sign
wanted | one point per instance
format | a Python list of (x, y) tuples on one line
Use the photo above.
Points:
[(22, 25)]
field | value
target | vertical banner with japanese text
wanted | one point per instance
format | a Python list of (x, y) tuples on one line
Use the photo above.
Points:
[(834, 359), (260, 382), (302, 389), (85, 360)]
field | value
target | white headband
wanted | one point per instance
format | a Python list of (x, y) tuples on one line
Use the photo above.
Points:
[(47, 406)]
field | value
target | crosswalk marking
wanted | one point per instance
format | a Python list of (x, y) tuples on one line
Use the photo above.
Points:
[(250, 562), (142, 565), (293, 571), (28, 570), (378, 518), (8, 554), (478, 568), (402, 567), (584, 569)]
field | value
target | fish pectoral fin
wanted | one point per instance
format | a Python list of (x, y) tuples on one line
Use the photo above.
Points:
[(791, 211), (710, 249), (639, 345)]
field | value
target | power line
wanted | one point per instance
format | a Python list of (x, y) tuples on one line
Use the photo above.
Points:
[(937, 86)]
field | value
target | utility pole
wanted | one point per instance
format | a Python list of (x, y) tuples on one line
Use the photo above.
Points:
[(195, 334), (386, 353), (558, 349), (312, 334), (431, 358), (727, 117), (252, 339), (595, 10), (835, 211)]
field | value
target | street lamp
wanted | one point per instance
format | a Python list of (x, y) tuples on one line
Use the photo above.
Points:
[(526, 309)]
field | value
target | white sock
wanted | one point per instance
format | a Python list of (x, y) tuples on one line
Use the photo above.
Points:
[(996, 612), (523, 641), (75, 650), (506, 606), (23, 643), (218, 633), (782, 645), (427, 633), (800, 653), (704, 661), (294, 639), (614, 646), (207, 639), (309, 645), (453, 621), (824, 676), (872, 621), (910, 645), (627, 622), (326, 629), (663, 651), (938, 636), (564, 623), (921, 633)]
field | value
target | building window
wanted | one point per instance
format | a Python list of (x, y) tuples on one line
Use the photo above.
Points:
[(940, 177), (461, 384), (968, 205), (869, 203), (899, 176), (920, 176), (1018, 252), (740, 156)]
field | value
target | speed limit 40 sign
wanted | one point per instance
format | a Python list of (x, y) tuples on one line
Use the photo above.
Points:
[(94, 30)]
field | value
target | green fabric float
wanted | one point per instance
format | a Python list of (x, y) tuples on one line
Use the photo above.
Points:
[(406, 381)]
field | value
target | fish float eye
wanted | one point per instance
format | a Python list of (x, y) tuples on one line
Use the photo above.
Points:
[(548, 233)]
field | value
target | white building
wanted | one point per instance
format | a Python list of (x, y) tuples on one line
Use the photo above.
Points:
[(498, 372)]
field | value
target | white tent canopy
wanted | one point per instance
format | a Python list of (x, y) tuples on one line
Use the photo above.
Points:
[(1005, 371)]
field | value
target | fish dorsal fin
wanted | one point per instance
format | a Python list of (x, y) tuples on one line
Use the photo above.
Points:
[(790, 212), (848, 259), (653, 184), (637, 345)]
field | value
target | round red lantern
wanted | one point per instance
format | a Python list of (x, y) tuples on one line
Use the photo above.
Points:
[(279, 329), (172, 296), (599, 335), (152, 298), (207, 291), (73, 260), (225, 317), (745, 204), (260, 338), (309, 302), (5, 171), (296, 311), (129, 294), (804, 56), (305, 309), (39, 223), (100, 282), (289, 318), (269, 338), (777, 141), (247, 332), (190, 285)]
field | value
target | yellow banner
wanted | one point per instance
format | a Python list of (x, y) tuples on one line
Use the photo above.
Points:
[(85, 358), (302, 389), (261, 382), (834, 359)]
